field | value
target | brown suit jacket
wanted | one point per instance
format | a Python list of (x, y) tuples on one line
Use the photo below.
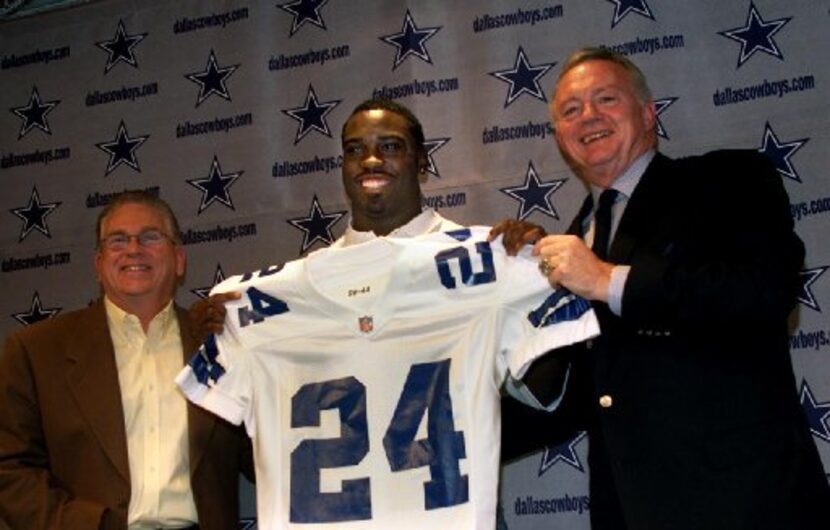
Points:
[(63, 448)]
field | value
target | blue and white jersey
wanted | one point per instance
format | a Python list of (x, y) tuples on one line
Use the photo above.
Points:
[(368, 378)]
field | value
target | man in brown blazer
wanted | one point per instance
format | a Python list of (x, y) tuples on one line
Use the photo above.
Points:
[(93, 434)]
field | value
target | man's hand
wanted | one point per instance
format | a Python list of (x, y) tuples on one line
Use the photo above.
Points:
[(516, 234), (208, 314), (571, 264)]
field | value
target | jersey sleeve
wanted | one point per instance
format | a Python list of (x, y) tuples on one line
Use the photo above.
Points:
[(536, 317), (218, 378)]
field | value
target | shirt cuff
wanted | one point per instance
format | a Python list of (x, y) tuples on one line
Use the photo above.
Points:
[(619, 275)]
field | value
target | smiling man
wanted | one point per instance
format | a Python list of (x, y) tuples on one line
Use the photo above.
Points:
[(692, 265), (94, 434), (384, 164)]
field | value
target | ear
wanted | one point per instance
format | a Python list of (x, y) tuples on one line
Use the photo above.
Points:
[(423, 164), (97, 265), (649, 115), (181, 261)]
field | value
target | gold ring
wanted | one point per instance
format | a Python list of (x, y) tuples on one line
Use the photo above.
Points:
[(545, 267)]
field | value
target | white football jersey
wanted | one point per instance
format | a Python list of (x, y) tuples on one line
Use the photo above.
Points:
[(368, 378)]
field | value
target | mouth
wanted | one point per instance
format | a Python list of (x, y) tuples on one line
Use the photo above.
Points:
[(373, 183), (135, 268), (593, 137)]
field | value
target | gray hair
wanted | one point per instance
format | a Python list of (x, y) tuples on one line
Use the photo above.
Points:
[(635, 75), (148, 199)]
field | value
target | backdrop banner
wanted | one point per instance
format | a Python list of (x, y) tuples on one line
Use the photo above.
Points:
[(232, 110)]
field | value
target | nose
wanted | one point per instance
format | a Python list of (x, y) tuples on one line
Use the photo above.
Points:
[(133, 244), (372, 159), (589, 110)]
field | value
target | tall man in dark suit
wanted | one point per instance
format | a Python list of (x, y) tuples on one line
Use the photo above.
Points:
[(688, 395), (93, 432)]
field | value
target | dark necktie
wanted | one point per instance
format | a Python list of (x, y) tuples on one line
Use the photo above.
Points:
[(602, 222)]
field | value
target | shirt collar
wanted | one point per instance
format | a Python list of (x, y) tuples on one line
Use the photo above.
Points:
[(119, 320), (629, 179)]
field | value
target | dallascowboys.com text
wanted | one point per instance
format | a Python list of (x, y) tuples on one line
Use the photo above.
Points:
[(530, 505)]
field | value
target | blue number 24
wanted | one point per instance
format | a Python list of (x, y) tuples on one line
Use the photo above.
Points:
[(426, 391)]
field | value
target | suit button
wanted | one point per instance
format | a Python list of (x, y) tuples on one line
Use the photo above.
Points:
[(605, 401)]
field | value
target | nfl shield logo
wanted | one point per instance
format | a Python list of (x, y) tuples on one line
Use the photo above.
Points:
[(366, 324)]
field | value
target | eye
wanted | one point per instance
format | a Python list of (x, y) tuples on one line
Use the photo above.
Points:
[(352, 150), (391, 147), (116, 241), (150, 238), (569, 111)]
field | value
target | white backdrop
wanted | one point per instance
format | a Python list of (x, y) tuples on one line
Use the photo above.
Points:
[(232, 111)]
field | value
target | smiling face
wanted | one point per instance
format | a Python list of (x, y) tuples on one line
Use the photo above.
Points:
[(602, 123), (140, 279), (382, 167)]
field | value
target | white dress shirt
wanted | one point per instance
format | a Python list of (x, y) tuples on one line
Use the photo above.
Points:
[(155, 417), (625, 185)]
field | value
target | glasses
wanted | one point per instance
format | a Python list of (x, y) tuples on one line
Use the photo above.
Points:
[(147, 238)]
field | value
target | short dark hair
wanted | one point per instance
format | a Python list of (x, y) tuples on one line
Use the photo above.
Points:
[(415, 128), (148, 199), (638, 79)]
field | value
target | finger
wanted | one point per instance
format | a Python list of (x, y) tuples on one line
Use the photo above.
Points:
[(221, 298), (217, 316), (198, 310), (216, 328), (534, 234), (496, 231)]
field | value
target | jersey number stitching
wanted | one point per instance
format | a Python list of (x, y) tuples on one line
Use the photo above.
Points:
[(426, 391)]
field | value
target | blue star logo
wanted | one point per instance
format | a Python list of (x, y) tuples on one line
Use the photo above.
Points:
[(534, 195), (661, 105), (756, 35), (523, 78), (34, 114), (218, 277), (817, 413), (564, 452), (808, 278), (431, 147), (34, 215), (122, 149), (120, 48), (624, 7), (304, 11), (410, 41), (215, 187), (312, 115), (247, 523), (316, 226), (212, 79), (36, 312), (780, 153)]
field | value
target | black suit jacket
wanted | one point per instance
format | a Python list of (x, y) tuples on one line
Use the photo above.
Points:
[(689, 398), (63, 447)]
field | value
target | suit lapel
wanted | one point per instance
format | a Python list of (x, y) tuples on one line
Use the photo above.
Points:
[(200, 423), (92, 378)]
